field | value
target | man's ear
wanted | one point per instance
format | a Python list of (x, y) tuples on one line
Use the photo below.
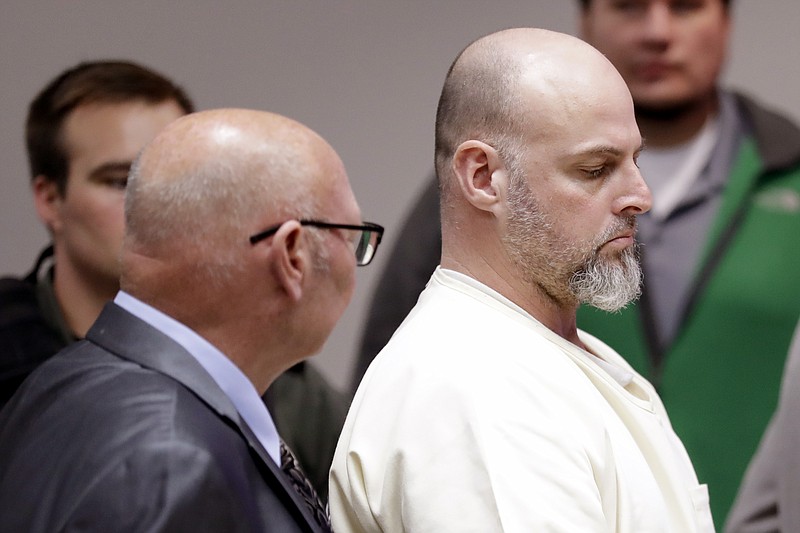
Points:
[(47, 200), (480, 174), (290, 258)]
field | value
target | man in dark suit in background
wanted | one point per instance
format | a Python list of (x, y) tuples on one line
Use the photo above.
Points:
[(242, 234)]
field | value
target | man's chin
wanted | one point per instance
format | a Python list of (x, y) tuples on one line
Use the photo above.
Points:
[(662, 109), (615, 256), (611, 284), (610, 306), (612, 302)]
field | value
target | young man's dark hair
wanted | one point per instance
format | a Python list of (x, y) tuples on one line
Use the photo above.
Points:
[(106, 82)]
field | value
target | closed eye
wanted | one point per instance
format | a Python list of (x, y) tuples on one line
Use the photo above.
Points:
[(598, 172), (113, 174), (115, 182)]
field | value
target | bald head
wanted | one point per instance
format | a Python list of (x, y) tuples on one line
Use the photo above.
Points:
[(536, 146), (508, 86), (207, 176), (198, 192)]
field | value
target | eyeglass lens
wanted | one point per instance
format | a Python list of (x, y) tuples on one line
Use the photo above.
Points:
[(366, 247)]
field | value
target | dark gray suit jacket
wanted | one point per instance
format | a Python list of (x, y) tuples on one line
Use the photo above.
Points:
[(125, 431), (768, 500)]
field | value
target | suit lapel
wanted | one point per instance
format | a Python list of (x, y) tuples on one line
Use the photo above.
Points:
[(276, 478), (131, 338)]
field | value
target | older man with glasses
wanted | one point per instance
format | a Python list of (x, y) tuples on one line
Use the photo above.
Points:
[(154, 422)]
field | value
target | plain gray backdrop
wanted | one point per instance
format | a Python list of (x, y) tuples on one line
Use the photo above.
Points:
[(365, 74)]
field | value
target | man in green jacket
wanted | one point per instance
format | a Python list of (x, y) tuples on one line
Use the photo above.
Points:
[(721, 246)]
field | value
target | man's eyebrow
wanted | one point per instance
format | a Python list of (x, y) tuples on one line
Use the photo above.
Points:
[(606, 149)]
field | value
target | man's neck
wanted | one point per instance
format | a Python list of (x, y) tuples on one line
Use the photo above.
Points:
[(673, 127), (560, 318), (557, 317), (81, 300)]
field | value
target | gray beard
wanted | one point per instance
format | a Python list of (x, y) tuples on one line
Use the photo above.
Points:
[(606, 284), (563, 271)]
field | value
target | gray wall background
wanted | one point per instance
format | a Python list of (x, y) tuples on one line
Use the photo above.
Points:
[(365, 74)]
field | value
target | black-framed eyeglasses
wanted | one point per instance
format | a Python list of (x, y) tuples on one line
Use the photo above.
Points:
[(365, 245)]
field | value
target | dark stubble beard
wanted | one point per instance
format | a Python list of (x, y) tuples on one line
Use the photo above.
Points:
[(570, 273), (666, 113)]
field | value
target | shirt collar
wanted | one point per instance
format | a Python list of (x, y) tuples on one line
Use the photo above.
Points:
[(620, 375)]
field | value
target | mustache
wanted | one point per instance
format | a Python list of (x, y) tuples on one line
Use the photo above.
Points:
[(621, 225), (592, 255)]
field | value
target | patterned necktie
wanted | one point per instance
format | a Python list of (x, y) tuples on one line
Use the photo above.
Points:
[(302, 485)]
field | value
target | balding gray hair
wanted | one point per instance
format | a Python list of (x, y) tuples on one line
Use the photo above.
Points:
[(480, 100)]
